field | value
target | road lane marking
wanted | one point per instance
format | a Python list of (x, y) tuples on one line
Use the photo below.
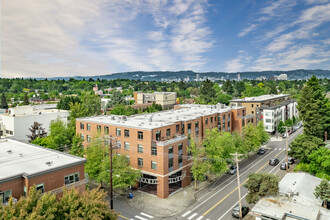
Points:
[(149, 216), (280, 149), (200, 217), (140, 217), (205, 213), (232, 207), (192, 216), (185, 214), (123, 217)]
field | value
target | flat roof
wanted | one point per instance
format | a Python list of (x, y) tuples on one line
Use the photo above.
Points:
[(28, 160), (261, 98), (154, 120)]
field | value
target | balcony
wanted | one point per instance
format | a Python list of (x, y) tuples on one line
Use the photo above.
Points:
[(170, 140)]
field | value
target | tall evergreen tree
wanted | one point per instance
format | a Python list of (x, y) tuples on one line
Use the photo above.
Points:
[(322, 191), (36, 131), (314, 108), (228, 87), (26, 99), (207, 91), (3, 104)]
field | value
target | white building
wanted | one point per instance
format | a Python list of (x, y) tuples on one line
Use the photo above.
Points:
[(295, 200), (281, 77), (17, 121), (272, 115)]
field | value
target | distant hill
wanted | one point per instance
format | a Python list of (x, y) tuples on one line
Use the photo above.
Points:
[(180, 75)]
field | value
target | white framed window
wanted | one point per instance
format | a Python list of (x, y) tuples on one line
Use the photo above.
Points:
[(154, 165), (41, 188), (72, 178), (126, 145)]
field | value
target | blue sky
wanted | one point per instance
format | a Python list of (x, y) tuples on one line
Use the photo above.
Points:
[(65, 38)]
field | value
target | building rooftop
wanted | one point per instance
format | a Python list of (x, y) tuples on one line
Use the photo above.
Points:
[(31, 110), (22, 159), (151, 121), (296, 198), (261, 98)]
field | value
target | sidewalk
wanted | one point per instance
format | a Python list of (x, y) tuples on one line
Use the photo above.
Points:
[(168, 207)]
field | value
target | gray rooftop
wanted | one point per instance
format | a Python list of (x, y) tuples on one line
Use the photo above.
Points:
[(296, 199), (261, 98), (151, 121), (18, 158)]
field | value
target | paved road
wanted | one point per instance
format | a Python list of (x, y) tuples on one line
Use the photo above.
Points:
[(217, 201)]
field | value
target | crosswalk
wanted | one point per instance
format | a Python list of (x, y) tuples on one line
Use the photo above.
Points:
[(193, 216), (142, 216)]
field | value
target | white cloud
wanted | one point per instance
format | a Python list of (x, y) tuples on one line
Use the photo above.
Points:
[(247, 30), (62, 37)]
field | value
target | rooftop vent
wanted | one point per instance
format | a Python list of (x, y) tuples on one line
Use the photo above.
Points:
[(21, 155), (9, 151), (39, 113), (112, 117), (49, 163), (124, 118)]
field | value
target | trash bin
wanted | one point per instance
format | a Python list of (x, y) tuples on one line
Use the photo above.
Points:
[(130, 195)]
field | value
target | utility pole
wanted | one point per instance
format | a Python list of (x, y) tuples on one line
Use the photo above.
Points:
[(111, 184), (287, 149), (238, 184)]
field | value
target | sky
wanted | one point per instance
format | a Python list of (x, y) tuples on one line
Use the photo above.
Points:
[(83, 38)]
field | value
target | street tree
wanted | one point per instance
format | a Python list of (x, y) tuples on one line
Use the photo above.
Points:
[(36, 131), (281, 127), (201, 166), (322, 191), (262, 133), (260, 185), (303, 145), (4, 103), (77, 147), (251, 137), (92, 103)]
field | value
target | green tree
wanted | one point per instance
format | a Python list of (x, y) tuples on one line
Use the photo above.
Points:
[(122, 109), (117, 98), (26, 99), (314, 108), (65, 102), (288, 123), (77, 147), (92, 104), (59, 134), (303, 145), (228, 87), (200, 167), (251, 91), (3, 104), (240, 87), (281, 128), (322, 191), (251, 137), (207, 91), (45, 142), (260, 185), (72, 205), (262, 133)]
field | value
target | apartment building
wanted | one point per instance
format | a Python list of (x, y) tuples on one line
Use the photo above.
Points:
[(157, 143), (17, 121), (271, 109), (24, 165), (165, 99)]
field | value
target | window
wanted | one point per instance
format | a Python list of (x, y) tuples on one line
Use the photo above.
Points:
[(126, 145), (180, 159), (88, 127), (126, 133), (106, 129), (154, 165), (170, 164), (268, 120), (170, 150), (72, 178), (140, 135), (180, 146), (206, 120), (82, 126), (118, 144), (212, 119), (154, 151), (182, 128), (118, 131), (215, 118), (140, 162), (196, 124), (168, 132), (41, 188), (99, 128), (89, 138), (189, 126), (4, 196), (82, 137), (24, 191), (252, 112), (177, 128), (252, 105), (140, 148)]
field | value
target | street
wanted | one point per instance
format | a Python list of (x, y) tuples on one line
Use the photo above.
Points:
[(216, 201)]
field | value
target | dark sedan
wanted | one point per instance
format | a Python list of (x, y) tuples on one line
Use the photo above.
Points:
[(245, 210), (261, 151), (274, 162)]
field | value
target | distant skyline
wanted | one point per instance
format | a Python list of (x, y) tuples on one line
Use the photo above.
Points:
[(82, 38)]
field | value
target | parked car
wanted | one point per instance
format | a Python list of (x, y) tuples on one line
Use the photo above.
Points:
[(274, 161), (291, 160), (261, 151), (283, 166), (284, 135), (232, 170), (245, 210)]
